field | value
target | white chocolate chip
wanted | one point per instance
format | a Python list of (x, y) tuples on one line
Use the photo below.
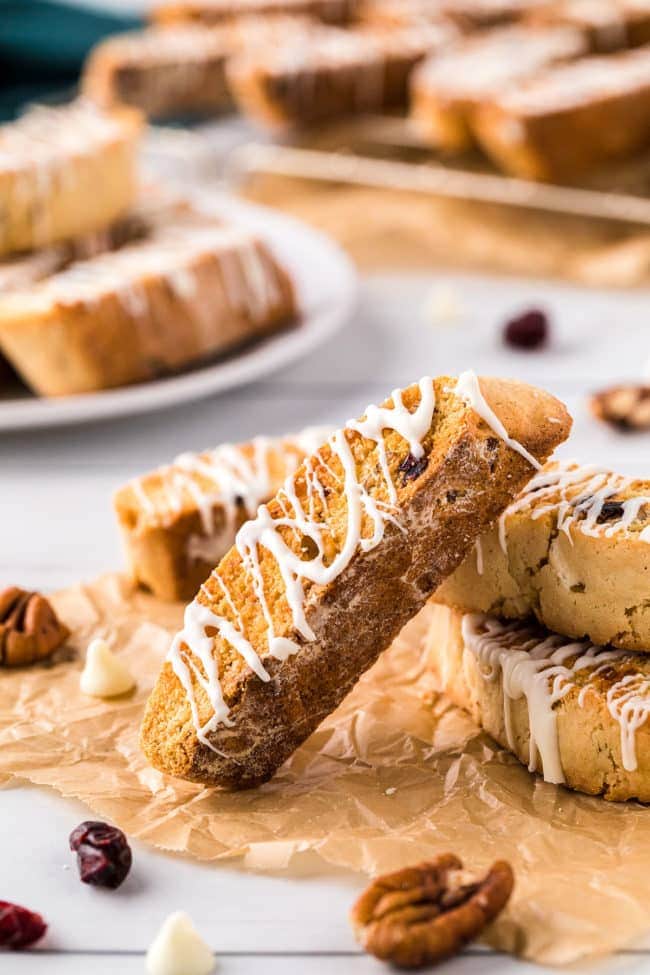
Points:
[(104, 675), (178, 949), (442, 306)]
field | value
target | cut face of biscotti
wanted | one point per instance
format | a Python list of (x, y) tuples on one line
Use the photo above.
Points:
[(191, 289), (570, 118), (220, 11), (315, 74), (52, 161), (178, 521), (447, 88), (327, 574), (574, 712), (573, 549), (164, 72), (609, 24)]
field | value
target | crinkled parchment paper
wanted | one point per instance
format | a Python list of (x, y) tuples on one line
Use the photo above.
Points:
[(394, 776)]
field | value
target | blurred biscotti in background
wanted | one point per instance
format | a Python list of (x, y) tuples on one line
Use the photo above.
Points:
[(53, 161)]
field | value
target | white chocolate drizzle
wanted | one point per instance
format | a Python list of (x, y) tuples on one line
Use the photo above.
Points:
[(367, 516), (368, 511), (469, 390), (575, 495), (542, 671)]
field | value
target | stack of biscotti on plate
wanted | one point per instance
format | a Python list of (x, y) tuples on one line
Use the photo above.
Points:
[(543, 634), (325, 575), (179, 520), (102, 289), (447, 89), (313, 73)]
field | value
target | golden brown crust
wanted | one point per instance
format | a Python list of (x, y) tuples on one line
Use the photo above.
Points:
[(469, 477), (610, 25), (148, 325), (46, 199), (589, 738)]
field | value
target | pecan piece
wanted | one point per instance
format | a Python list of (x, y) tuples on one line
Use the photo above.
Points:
[(625, 407), (29, 628), (423, 914)]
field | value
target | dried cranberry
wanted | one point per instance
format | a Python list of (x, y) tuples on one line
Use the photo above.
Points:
[(103, 854), (19, 927), (412, 467), (527, 331), (610, 510)]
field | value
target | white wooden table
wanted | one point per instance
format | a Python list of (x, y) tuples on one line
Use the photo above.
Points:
[(56, 527)]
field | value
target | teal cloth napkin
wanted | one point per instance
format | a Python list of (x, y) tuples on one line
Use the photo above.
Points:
[(43, 45)]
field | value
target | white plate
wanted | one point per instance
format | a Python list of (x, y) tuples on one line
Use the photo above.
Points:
[(326, 285)]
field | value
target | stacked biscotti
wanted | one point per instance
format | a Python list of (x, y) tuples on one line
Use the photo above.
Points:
[(448, 89), (322, 579), (101, 284), (543, 633), (178, 521)]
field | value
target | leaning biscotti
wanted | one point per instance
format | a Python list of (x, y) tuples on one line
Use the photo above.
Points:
[(314, 74), (65, 172), (574, 550), (325, 576), (447, 88), (186, 293), (223, 11), (574, 712), (164, 72), (179, 521), (570, 118)]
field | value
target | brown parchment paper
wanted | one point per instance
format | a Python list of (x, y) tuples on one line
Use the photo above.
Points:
[(394, 776)]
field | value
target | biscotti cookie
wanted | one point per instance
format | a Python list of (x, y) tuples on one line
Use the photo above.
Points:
[(184, 293), (574, 712), (574, 550), (178, 521), (467, 15), (610, 25), (221, 11), (447, 88), (52, 162), (164, 72), (570, 118), (325, 576), (315, 74)]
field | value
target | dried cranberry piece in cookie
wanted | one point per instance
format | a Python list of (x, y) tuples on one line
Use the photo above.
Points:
[(19, 927), (103, 854), (527, 331)]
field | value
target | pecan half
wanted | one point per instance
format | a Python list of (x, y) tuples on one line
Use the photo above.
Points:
[(423, 914), (29, 628), (625, 407)]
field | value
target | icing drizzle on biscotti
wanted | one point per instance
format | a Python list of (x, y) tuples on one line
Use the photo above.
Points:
[(580, 497), (543, 670), (369, 508)]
